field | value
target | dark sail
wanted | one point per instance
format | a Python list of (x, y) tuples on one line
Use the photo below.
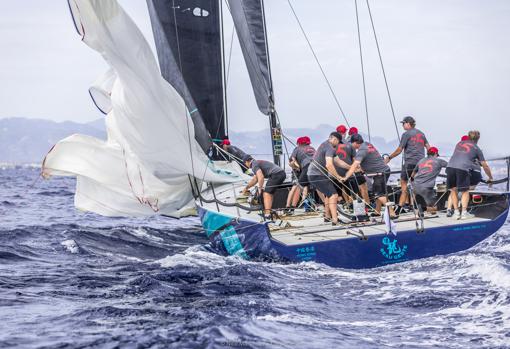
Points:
[(248, 16), (188, 41)]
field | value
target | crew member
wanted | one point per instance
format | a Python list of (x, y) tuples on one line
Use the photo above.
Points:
[(425, 175), (342, 129), (356, 184), (300, 159), (234, 153), (352, 131), (457, 172), (275, 176), (368, 158), (321, 172), (413, 143)]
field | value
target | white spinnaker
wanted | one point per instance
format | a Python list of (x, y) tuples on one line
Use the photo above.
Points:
[(143, 166)]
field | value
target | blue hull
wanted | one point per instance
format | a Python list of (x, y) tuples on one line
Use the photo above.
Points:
[(251, 240)]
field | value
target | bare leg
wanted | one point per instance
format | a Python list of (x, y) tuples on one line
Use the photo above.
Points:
[(268, 202), (454, 197), (327, 212), (431, 209), (305, 193), (297, 195), (332, 202), (465, 201), (290, 196), (449, 204), (403, 194), (363, 188)]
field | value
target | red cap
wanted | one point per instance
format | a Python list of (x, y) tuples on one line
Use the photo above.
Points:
[(433, 150), (225, 142), (341, 129), (464, 138), (306, 140), (299, 140), (353, 131)]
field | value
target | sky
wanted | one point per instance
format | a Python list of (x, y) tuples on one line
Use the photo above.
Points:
[(447, 63)]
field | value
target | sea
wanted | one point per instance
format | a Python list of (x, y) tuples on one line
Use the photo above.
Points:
[(70, 279)]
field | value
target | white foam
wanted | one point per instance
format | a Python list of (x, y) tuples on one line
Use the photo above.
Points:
[(142, 233), (197, 257), (71, 246)]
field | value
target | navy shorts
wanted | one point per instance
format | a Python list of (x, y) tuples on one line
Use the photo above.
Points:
[(456, 178), (379, 186), (274, 181), (407, 171), (475, 177), (428, 195), (323, 184)]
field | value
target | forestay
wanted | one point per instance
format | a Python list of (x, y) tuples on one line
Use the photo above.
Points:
[(143, 167)]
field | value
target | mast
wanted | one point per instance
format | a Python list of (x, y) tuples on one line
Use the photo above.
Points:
[(274, 125)]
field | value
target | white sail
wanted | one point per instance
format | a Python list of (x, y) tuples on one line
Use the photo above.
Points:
[(143, 168)]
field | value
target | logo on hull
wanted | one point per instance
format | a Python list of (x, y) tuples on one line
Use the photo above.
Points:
[(392, 250)]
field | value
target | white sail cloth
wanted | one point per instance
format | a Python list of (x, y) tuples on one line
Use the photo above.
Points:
[(143, 167)]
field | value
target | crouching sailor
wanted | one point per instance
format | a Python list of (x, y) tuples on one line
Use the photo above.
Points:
[(234, 153), (262, 169), (425, 175)]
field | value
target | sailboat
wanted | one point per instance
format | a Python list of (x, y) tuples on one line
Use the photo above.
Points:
[(163, 121)]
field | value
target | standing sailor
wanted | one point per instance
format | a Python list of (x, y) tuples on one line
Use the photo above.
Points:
[(457, 172), (425, 175), (371, 162), (322, 171), (300, 160), (275, 176), (413, 143)]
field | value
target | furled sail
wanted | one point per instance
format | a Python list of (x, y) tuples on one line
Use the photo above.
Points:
[(189, 45), (144, 166), (249, 21)]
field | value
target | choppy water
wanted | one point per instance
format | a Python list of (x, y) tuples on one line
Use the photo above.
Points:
[(69, 279)]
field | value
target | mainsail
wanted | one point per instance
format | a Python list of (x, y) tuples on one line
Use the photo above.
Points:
[(249, 21), (145, 165), (189, 45)]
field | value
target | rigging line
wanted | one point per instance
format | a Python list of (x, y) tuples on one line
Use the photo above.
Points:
[(185, 108), (226, 78), (318, 63), (362, 70), (383, 70)]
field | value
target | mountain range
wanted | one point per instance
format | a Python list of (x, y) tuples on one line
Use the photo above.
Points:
[(24, 140)]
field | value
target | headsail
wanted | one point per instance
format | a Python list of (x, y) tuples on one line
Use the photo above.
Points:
[(144, 166), (249, 21), (189, 44)]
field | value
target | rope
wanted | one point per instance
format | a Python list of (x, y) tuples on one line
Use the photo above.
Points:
[(318, 63), (383, 70), (362, 71)]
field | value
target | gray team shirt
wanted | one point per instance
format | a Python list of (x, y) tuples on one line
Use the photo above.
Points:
[(344, 152), (413, 143), (370, 159), (303, 155), (427, 170), (465, 155), (319, 159), (235, 151), (267, 167)]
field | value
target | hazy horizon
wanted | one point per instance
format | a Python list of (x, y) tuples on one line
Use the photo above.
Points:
[(447, 64)]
